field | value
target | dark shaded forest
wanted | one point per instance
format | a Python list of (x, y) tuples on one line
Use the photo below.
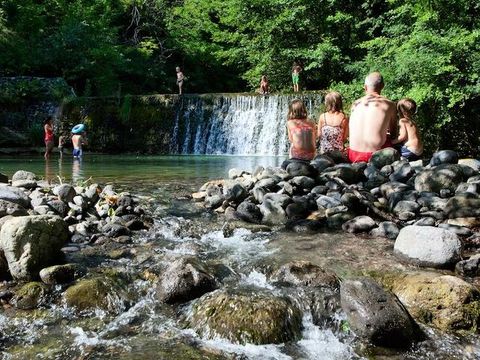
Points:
[(428, 50)]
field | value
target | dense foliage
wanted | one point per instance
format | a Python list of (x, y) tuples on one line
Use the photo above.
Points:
[(426, 49)]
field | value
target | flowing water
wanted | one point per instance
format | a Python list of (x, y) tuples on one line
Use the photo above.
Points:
[(235, 124), (147, 329)]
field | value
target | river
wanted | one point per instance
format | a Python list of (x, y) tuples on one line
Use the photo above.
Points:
[(146, 329)]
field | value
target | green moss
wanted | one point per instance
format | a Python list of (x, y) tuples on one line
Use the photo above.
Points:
[(247, 317), (30, 295)]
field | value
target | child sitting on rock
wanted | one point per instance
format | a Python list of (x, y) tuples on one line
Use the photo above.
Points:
[(301, 133), (409, 144), (333, 124)]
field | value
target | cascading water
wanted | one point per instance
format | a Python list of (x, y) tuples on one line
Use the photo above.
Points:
[(235, 124)]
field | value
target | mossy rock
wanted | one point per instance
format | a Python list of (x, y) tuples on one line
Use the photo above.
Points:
[(107, 291), (30, 295), (442, 301), (244, 316)]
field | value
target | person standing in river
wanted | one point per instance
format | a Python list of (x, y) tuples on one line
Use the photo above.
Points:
[(296, 69), (49, 138), (180, 80)]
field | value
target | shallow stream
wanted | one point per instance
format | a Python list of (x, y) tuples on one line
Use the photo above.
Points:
[(147, 329)]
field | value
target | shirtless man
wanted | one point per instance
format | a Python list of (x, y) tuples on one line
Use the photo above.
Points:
[(372, 118)]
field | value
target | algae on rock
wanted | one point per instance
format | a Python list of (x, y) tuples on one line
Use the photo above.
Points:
[(244, 316)]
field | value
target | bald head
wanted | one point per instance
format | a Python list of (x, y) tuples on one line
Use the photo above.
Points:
[(374, 82)]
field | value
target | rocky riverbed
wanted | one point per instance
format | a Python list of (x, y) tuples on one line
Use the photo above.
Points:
[(302, 263), (431, 214)]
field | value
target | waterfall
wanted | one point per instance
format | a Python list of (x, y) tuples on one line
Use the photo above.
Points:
[(235, 124)]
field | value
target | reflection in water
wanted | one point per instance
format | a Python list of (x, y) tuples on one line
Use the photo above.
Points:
[(77, 172), (49, 173)]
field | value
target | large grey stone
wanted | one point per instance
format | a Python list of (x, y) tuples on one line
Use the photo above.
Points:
[(461, 206), (361, 223), (184, 280), (428, 246), (65, 192), (445, 176), (248, 211), (31, 243), (375, 314), (444, 157), (384, 157), (386, 229), (24, 175), (15, 195), (273, 213), (10, 208)]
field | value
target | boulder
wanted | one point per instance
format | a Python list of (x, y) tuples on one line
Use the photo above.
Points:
[(444, 157), (462, 206), (303, 182), (59, 207), (336, 221), (235, 192), (321, 164), (459, 230), (445, 176), (469, 267), (406, 206), (402, 174), (375, 314), (24, 175), (281, 200), (358, 224), (248, 211), (107, 292), (347, 172), (273, 213), (14, 195), (246, 316), (386, 229), (300, 168), (31, 243), (473, 163), (235, 173), (304, 273), (326, 202), (60, 274), (30, 296), (392, 187), (65, 192), (384, 157), (11, 208), (184, 280), (428, 246), (442, 301)]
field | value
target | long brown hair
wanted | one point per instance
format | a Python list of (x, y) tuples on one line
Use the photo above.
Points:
[(333, 102), (407, 108), (297, 110)]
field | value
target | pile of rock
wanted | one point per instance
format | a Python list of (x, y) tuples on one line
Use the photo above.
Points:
[(38, 220)]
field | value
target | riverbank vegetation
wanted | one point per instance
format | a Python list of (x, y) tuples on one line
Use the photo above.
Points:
[(427, 49)]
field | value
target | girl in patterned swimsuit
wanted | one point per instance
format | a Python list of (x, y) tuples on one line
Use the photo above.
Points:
[(333, 124)]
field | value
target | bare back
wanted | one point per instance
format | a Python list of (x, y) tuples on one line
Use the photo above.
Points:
[(372, 117), (413, 141), (77, 141), (302, 135)]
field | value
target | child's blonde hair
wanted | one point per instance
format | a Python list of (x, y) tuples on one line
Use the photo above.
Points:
[(407, 108), (297, 110), (333, 101)]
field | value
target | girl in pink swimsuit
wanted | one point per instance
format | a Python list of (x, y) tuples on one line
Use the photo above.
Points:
[(333, 124), (301, 132)]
